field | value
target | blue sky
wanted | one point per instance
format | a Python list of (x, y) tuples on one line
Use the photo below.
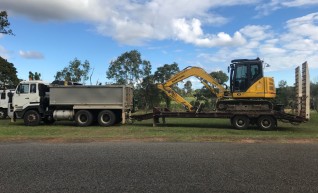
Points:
[(205, 33)]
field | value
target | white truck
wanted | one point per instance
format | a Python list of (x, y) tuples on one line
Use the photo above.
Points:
[(36, 102), (4, 101)]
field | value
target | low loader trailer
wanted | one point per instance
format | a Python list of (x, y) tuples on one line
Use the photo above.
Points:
[(242, 116), (265, 120)]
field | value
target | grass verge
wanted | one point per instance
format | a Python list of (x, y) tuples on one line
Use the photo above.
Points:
[(190, 130)]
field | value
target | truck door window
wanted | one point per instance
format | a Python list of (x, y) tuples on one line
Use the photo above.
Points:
[(33, 88), (24, 88)]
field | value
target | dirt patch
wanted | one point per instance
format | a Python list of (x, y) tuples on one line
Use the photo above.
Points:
[(162, 139), (291, 141), (84, 140)]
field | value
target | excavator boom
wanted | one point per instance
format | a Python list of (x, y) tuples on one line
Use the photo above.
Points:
[(197, 72)]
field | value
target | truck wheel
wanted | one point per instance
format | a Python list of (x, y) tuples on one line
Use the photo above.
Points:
[(83, 118), (106, 118), (31, 118), (3, 114), (266, 123), (241, 122)]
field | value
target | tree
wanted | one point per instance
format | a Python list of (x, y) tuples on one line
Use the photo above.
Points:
[(282, 83), (220, 76), (129, 68), (314, 95), (5, 24), (205, 95), (285, 94), (8, 74), (75, 72), (147, 94), (188, 87), (163, 74)]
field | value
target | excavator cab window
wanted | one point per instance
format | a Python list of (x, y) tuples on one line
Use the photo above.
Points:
[(244, 73), (241, 77)]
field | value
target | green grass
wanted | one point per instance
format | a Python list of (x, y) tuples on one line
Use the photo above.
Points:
[(175, 130)]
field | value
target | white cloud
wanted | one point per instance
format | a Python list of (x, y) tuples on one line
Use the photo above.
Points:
[(297, 44), (131, 21), (31, 54), (138, 21), (256, 32), (274, 5), (305, 26), (299, 3), (4, 53), (191, 32)]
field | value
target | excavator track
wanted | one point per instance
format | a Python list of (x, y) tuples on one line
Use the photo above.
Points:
[(244, 105)]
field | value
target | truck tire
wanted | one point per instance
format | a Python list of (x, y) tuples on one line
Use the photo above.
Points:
[(83, 118), (106, 118), (3, 114), (266, 123), (31, 118), (241, 122)]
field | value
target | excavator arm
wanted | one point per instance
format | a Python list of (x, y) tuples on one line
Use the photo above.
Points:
[(206, 79)]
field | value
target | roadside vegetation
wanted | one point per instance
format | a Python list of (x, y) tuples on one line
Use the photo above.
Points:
[(175, 130)]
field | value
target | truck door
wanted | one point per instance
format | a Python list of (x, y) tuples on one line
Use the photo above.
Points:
[(26, 95)]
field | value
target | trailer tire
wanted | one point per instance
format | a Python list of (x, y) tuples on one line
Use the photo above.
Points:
[(83, 118), (266, 123), (3, 114), (106, 118), (31, 118), (241, 122)]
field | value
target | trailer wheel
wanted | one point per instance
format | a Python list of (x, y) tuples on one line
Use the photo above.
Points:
[(83, 118), (31, 118), (3, 114), (241, 122), (106, 118), (266, 123)]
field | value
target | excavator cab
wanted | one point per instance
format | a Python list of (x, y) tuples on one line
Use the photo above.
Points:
[(247, 80)]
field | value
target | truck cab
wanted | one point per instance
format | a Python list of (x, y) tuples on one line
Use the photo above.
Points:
[(27, 96)]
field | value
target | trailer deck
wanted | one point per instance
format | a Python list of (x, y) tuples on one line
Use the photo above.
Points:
[(164, 113)]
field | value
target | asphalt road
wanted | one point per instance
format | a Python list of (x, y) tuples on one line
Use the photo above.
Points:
[(158, 167)]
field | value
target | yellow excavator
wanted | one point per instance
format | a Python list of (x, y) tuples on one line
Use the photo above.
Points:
[(249, 89)]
